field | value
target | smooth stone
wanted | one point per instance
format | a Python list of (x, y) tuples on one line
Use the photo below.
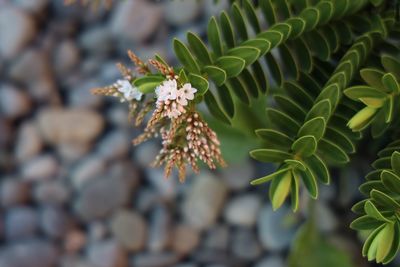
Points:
[(114, 145), (275, 234), (80, 95), (238, 176), (145, 153), (98, 230), (129, 229), (39, 80), (102, 196), (73, 152), (107, 253), (40, 168), (54, 222), (32, 253), (29, 142), (205, 200), (163, 259), (245, 244), (74, 241), (165, 187), (20, 223), (51, 192), (32, 6), (70, 125), (188, 11), (14, 39), (159, 229), (90, 39), (74, 261), (14, 103), (88, 169), (146, 199), (185, 239), (13, 191), (243, 210), (66, 57), (217, 238), (271, 261), (142, 13)]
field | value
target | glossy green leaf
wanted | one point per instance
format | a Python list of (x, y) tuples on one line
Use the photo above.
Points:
[(147, 84), (216, 74), (294, 192), (274, 138), (305, 146), (199, 48), (390, 83), (311, 17), (283, 122), (296, 164), (282, 189), (365, 223), (261, 44), (199, 82), (268, 177), (239, 21), (320, 109), (214, 36), (372, 211), (248, 53), (373, 78), (214, 108), (395, 162), (391, 64), (391, 181), (269, 155), (251, 15), (332, 152), (185, 57), (227, 30), (318, 168), (362, 91), (310, 183), (314, 127), (385, 200), (231, 65)]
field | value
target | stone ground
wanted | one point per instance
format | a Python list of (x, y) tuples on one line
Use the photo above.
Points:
[(73, 192)]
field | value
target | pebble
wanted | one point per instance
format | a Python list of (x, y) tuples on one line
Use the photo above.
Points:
[(146, 153), (238, 176), (32, 253), (74, 241), (70, 153), (114, 145), (205, 200), (40, 168), (271, 261), (129, 229), (81, 97), (163, 259), (165, 187), (102, 196), (217, 238), (245, 244), (90, 39), (139, 12), (14, 39), (20, 223), (188, 11), (159, 229), (33, 6), (51, 192), (54, 222), (86, 170), (185, 239), (69, 125), (14, 103), (66, 57), (13, 191), (98, 230), (28, 143), (107, 253), (275, 232), (243, 210)]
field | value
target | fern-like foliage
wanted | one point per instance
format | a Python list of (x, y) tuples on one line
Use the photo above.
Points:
[(332, 70)]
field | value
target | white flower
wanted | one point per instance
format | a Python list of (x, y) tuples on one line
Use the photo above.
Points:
[(167, 90), (186, 93), (130, 92)]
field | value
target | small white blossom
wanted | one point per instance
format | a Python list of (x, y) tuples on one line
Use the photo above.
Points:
[(188, 91), (167, 90), (130, 92)]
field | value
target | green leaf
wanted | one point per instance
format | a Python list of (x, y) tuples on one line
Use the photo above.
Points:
[(370, 240), (261, 44), (216, 74), (147, 84), (305, 146), (227, 30), (391, 181), (365, 223), (250, 84), (362, 91), (240, 89), (341, 139), (388, 109), (283, 122), (385, 200), (214, 108), (391, 64), (310, 182), (226, 99), (319, 45), (294, 193), (297, 25), (296, 164), (332, 152), (368, 186), (358, 208), (199, 48), (233, 66), (239, 22), (296, 92), (251, 15), (274, 138), (200, 83), (385, 242), (268, 177), (282, 188), (318, 168), (185, 57), (373, 212), (275, 69), (248, 53), (311, 17), (320, 109), (395, 162), (314, 127), (390, 83), (332, 93), (283, 28), (373, 78), (269, 155), (395, 245), (214, 36), (274, 37), (290, 107)]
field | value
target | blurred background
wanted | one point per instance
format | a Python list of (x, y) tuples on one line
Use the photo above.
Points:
[(75, 193)]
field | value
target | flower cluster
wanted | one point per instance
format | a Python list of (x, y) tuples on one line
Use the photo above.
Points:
[(186, 137)]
